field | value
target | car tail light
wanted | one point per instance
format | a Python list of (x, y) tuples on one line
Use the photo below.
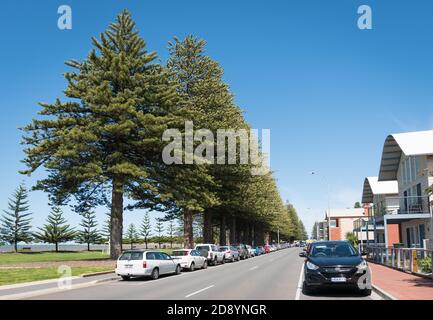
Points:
[(144, 264)]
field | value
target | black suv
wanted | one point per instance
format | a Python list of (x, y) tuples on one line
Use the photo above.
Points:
[(335, 264)]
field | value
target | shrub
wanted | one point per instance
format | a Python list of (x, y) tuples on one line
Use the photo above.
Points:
[(425, 264)]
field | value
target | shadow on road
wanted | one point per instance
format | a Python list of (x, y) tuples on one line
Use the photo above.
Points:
[(336, 293)]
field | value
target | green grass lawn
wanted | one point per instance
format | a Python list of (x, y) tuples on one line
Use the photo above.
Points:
[(46, 256), (12, 276)]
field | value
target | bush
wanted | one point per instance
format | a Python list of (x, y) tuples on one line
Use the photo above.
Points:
[(352, 238), (425, 264)]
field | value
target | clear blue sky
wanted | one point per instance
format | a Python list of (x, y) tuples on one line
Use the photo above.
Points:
[(329, 92)]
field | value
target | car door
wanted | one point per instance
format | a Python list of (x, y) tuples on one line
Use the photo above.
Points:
[(193, 256), (170, 264), (160, 262)]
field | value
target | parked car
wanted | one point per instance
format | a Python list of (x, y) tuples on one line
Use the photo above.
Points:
[(251, 251), (258, 250), (211, 252), (140, 263), (243, 251), (230, 253), (267, 248), (335, 264), (189, 259), (303, 252)]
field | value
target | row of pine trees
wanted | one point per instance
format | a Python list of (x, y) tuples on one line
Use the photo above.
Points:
[(103, 144), (16, 227)]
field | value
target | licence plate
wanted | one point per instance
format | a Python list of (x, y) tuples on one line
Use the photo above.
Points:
[(128, 266), (340, 279)]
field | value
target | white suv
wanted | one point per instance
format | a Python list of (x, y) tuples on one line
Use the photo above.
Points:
[(212, 253), (139, 263)]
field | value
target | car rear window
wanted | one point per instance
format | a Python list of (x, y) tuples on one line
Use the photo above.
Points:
[(224, 249), (179, 253), (201, 248), (131, 256)]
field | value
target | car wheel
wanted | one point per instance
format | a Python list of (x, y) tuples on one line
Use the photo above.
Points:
[(215, 262), (307, 290), (155, 274), (178, 269), (192, 266), (366, 292), (205, 265), (239, 258), (223, 261), (126, 278), (233, 259)]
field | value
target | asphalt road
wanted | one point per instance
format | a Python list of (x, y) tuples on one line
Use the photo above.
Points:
[(275, 276)]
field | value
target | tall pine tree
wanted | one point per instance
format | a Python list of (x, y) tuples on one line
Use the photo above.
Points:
[(15, 223), (106, 139)]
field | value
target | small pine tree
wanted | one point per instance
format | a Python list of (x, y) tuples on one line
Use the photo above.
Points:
[(56, 230), (15, 224), (132, 235), (159, 228), (171, 230), (357, 205), (146, 228), (106, 229), (89, 234)]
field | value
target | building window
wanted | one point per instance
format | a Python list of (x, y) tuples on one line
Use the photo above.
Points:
[(333, 223)]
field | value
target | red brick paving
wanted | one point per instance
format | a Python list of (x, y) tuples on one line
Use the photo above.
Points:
[(401, 285)]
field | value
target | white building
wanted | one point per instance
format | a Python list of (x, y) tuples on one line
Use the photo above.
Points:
[(408, 159)]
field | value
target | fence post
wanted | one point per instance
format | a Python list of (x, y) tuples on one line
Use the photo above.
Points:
[(411, 260), (399, 258), (381, 256), (393, 257)]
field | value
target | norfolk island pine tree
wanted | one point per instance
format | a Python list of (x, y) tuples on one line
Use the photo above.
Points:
[(105, 140), (15, 223)]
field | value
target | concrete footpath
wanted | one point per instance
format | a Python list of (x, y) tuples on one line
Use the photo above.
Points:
[(30, 289), (401, 285)]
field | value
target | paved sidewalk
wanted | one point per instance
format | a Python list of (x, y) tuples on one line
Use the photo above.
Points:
[(401, 285)]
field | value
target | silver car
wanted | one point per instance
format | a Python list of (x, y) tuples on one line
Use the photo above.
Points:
[(140, 263), (230, 253)]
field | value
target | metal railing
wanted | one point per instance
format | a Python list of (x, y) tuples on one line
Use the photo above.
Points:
[(401, 205), (415, 260)]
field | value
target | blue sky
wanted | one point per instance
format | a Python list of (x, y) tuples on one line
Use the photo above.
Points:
[(329, 92)]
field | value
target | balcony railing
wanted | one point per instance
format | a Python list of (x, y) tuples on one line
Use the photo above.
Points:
[(402, 205)]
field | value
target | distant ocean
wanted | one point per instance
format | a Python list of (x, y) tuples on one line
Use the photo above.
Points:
[(51, 247)]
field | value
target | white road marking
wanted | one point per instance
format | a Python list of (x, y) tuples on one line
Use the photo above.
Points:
[(199, 291), (254, 268), (299, 288)]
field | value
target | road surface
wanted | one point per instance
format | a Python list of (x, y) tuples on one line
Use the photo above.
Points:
[(276, 276)]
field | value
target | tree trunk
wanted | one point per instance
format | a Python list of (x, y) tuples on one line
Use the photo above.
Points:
[(116, 219), (223, 238), (207, 226), (233, 231), (88, 246), (57, 247), (250, 234), (146, 242), (16, 246), (187, 229)]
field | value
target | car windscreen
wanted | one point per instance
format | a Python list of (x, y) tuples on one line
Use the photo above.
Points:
[(131, 256), (332, 250), (202, 248), (224, 249), (179, 253)]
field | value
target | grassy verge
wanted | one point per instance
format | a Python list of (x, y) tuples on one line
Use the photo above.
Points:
[(13, 276), (46, 256)]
